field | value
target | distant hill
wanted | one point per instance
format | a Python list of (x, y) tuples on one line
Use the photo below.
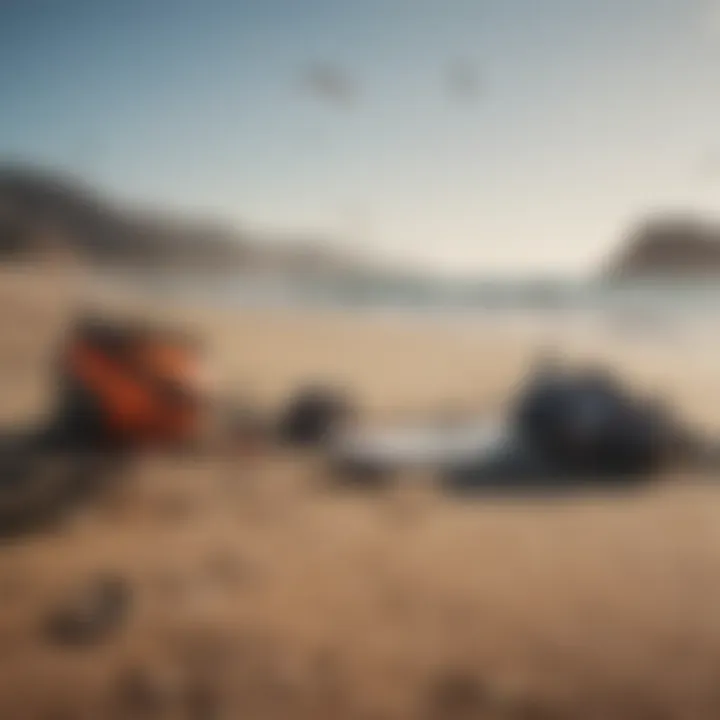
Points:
[(667, 248), (42, 212)]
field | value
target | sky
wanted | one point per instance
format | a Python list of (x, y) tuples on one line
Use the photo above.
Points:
[(588, 116)]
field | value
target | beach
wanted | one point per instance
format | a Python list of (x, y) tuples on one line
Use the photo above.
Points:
[(258, 592)]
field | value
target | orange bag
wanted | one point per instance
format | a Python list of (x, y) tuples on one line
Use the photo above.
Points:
[(147, 391)]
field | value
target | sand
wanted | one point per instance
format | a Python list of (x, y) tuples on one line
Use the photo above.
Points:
[(257, 592)]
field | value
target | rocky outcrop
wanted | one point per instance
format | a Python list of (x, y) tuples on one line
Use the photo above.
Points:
[(41, 210), (670, 247)]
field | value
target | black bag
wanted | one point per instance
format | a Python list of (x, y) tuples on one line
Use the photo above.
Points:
[(588, 423)]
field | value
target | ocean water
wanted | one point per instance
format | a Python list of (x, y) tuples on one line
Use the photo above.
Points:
[(640, 309), (429, 294)]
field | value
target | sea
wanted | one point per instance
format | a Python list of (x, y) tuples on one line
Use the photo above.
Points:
[(648, 310)]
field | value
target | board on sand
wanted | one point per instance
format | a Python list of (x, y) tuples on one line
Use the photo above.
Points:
[(484, 452)]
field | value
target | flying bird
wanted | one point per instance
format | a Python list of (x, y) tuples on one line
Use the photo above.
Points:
[(462, 81), (331, 84)]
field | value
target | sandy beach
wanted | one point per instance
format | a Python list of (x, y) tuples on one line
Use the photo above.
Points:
[(259, 593)]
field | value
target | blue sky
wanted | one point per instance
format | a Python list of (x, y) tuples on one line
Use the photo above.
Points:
[(590, 115)]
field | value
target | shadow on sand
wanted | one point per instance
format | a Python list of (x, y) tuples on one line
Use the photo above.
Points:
[(44, 480), (489, 483)]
